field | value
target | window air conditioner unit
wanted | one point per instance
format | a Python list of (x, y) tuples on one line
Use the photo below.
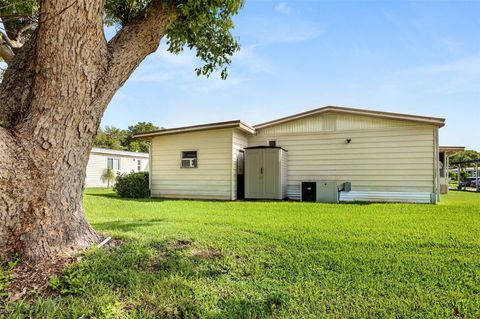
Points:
[(188, 162)]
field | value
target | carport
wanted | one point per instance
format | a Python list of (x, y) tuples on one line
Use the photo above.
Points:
[(469, 162)]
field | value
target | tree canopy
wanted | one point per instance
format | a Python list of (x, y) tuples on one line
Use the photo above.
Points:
[(467, 155), (117, 139), (202, 25)]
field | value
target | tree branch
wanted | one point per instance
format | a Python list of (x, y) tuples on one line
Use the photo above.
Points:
[(136, 40), (16, 86), (25, 28), (6, 52)]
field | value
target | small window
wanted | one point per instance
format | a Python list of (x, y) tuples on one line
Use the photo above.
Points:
[(272, 143), (113, 163), (189, 159), (139, 165)]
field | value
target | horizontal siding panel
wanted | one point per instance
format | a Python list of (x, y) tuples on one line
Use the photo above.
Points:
[(371, 181), (193, 196), (343, 149), (210, 152), (346, 162), (400, 131), (389, 165), (182, 170), (198, 175), (372, 174), (204, 187), (312, 154), (357, 143), (177, 150), (194, 191)]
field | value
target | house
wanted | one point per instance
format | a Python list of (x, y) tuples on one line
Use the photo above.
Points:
[(326, 154), (119, 161)]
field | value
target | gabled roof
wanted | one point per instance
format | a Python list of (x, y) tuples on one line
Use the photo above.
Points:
[(440, 122), (202, 127)]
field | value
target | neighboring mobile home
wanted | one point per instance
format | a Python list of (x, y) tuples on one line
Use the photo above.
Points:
[(327, 154), (119, 161)]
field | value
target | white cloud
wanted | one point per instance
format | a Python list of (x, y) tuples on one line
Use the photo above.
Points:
[(185, 58), (457, 76), (165, 66), (248, 60), (283, 8), (280, 29), (460, 67), (214, 82)]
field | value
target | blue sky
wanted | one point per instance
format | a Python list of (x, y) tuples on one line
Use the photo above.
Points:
[(419, 57)]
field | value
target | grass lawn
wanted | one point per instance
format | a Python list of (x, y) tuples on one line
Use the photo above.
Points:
[(191, 259)]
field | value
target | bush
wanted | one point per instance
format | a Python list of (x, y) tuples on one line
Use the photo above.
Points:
[(133, 185)]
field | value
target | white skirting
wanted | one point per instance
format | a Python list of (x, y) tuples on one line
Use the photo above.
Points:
[(392, 197)]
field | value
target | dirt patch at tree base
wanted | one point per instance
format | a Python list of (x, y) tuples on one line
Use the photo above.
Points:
[(30, 280)]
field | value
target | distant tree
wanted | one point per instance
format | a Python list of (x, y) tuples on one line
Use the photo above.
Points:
[(136, 145), (111, 138), (118, 139), (463, 156), (108, 176)]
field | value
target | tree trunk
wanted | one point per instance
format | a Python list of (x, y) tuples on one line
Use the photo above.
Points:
[(52, 98)]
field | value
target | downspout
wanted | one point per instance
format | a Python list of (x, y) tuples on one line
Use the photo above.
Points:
[(436, 173), (150, 166)]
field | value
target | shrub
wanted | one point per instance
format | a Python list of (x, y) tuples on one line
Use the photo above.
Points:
[(133, 185)]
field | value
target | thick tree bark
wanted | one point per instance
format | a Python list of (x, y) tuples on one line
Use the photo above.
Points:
[(52, 98)]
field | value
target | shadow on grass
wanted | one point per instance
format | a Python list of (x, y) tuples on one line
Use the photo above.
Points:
[(113, 196), (127, 226)]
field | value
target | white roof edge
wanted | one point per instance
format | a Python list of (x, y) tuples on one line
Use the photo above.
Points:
[(118, 152), (200, 127)]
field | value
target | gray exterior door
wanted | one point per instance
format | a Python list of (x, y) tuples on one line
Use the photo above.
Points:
[(254, 174), (262, 174), (271, 174)]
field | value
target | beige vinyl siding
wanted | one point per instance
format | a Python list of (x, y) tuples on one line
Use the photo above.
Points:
[(211, 179), (383, 156), (239, 142)]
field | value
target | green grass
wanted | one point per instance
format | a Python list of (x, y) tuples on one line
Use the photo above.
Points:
[(190, 259)]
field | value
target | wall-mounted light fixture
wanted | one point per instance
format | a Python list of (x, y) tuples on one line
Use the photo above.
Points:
[(349, 140)]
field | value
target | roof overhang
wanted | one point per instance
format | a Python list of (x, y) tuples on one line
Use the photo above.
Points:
[(436, 121), (195, 128), (451, 149), (106, 151)]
